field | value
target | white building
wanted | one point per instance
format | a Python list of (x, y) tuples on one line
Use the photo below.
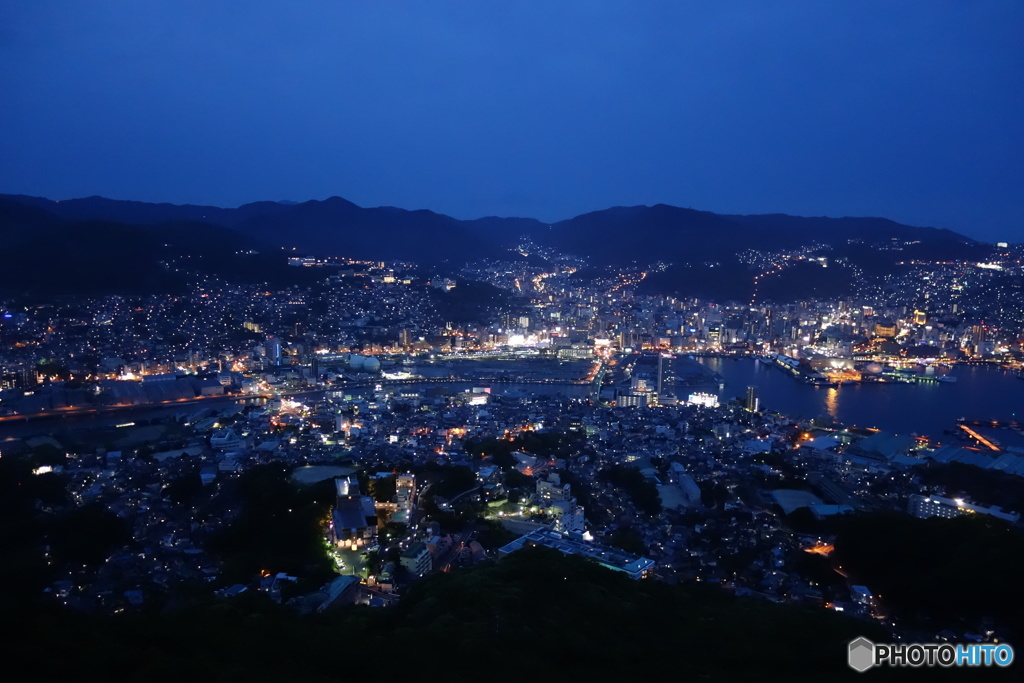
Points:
[(936, 506), (417, 559)]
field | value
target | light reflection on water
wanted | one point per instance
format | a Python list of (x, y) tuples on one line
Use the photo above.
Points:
[(832, 402), (981, 392)]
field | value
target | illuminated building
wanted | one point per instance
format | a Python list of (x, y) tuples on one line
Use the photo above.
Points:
[(885, 329), (25, 378), (552, 490), (631, 401), (753, 402), (354, 519), (714, 335), (569, 517), (703, 399), (405, 491), (416, 559), (633, 566), (935, 506), (274, 350), (664, 377)]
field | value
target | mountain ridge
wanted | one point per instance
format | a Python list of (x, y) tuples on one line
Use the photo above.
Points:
[(616, 236), (97, 207), (702, 247)]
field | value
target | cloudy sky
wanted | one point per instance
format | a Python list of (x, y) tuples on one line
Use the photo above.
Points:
[(909, 110)]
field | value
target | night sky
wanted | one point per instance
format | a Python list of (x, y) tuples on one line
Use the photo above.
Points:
[(909, 110)]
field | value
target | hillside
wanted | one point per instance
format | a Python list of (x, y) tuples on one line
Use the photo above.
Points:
[(553, 613), (40, 231)]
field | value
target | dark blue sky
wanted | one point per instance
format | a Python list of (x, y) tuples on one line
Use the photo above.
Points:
[(909, 110)]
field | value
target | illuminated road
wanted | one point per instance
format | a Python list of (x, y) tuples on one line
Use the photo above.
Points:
[(980, 438), (102, 410)]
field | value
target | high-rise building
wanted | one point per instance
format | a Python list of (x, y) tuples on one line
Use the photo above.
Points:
[(274, 350), (666, 380), (714, 335), (26, 378), (753, 402)]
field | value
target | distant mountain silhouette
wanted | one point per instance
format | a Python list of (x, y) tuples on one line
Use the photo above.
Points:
[(21, 221), (651, 233), (335, 226), (823, 229), (140, 213), (692, 240), (44, 255), (338, 227), (671, 233)]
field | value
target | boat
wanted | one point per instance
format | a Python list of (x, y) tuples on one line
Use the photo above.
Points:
[(945, 378)]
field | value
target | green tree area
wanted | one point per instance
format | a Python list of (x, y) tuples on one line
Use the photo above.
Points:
[(542, 444), (519, 485), (626, 539), (564, 616), (469, 301), (937, 573), (278, 527), (492, 534), (382, 489), (40, 534), (446, 483), (988, 487), (640, 490)]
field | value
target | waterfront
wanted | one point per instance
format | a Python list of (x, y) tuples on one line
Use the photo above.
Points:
[(57, 422), (981, 392)]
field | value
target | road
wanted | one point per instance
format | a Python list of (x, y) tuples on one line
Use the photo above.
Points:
[(75, 411)]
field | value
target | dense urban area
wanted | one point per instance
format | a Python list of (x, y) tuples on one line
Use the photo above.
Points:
[(337, 443)]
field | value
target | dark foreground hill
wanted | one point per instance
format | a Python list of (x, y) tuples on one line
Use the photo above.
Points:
[(535, 615)]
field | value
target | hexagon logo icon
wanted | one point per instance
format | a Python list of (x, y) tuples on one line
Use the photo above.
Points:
[(861, 655)]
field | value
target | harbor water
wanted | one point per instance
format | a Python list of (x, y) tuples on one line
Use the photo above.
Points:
[(981, 392)]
